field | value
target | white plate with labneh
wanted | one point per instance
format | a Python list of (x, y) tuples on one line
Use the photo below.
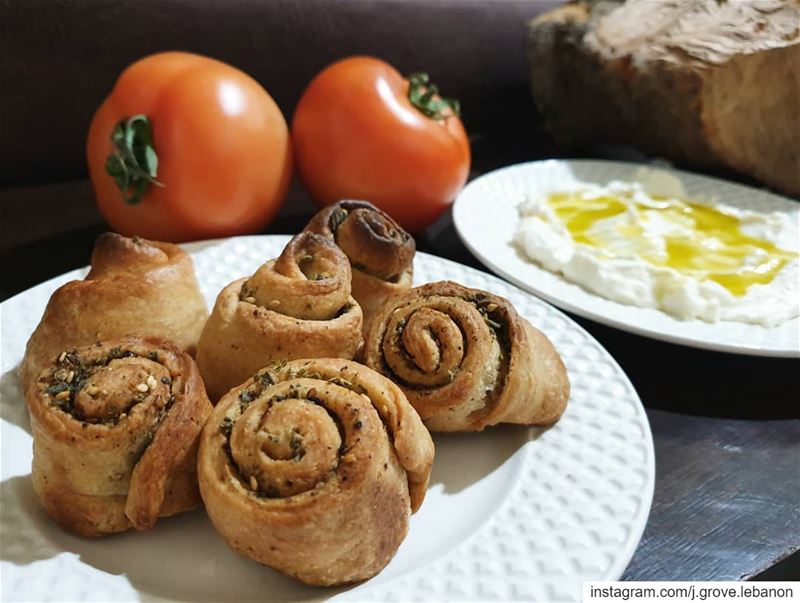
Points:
[(511, 514), (662, 253)]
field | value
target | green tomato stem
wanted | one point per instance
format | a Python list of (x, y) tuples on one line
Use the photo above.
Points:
[(424, 95), (133, 164)]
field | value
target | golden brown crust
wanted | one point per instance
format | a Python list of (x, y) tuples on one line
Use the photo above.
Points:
[(313, 467), (134, 287), (115, 433), (380, 251), (466, 360), (297, 306)]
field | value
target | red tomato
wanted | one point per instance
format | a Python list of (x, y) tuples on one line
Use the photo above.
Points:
[(221, 157), (357, 135)]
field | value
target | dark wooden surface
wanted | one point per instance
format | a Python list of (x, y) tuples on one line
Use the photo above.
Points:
[(726, 427)]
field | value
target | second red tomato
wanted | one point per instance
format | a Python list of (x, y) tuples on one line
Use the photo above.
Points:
[(362, 131)]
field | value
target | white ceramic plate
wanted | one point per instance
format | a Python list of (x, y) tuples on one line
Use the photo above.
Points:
[(485, 217), (513, 513)]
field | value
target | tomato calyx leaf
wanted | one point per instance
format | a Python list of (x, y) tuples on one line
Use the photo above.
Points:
[(133, 164), (424, 95)]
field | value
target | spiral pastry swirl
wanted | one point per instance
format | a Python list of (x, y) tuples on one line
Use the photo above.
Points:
[(296, 306), (381, 253), (115, 432), (313, 467), (466, 360), (134, 287)]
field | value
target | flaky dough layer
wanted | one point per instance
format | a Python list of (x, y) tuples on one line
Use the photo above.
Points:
[(115, 433), (134, 287), (313, 467), (296, 306), (466, 360), (380, 251)]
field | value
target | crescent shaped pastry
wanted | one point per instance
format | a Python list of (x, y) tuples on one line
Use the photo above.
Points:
[(466, 360), (313, 467), (115, 432), (134, 287), (296, 306), (381, 253)]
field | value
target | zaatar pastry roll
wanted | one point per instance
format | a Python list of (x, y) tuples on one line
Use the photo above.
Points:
[(115, 432), (466, 360), (296, 306), (313, 467), (381, 253), (134, 287)]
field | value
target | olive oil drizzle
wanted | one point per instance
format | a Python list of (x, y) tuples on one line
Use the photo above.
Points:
[(714, 248)]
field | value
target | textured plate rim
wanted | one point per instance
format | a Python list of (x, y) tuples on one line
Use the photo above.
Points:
[(459, 213)]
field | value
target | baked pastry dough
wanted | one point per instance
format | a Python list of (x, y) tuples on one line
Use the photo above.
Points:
[(466, 360), (381, 253), (296, 306), (134, 287), (115, 432), (313, 467)]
